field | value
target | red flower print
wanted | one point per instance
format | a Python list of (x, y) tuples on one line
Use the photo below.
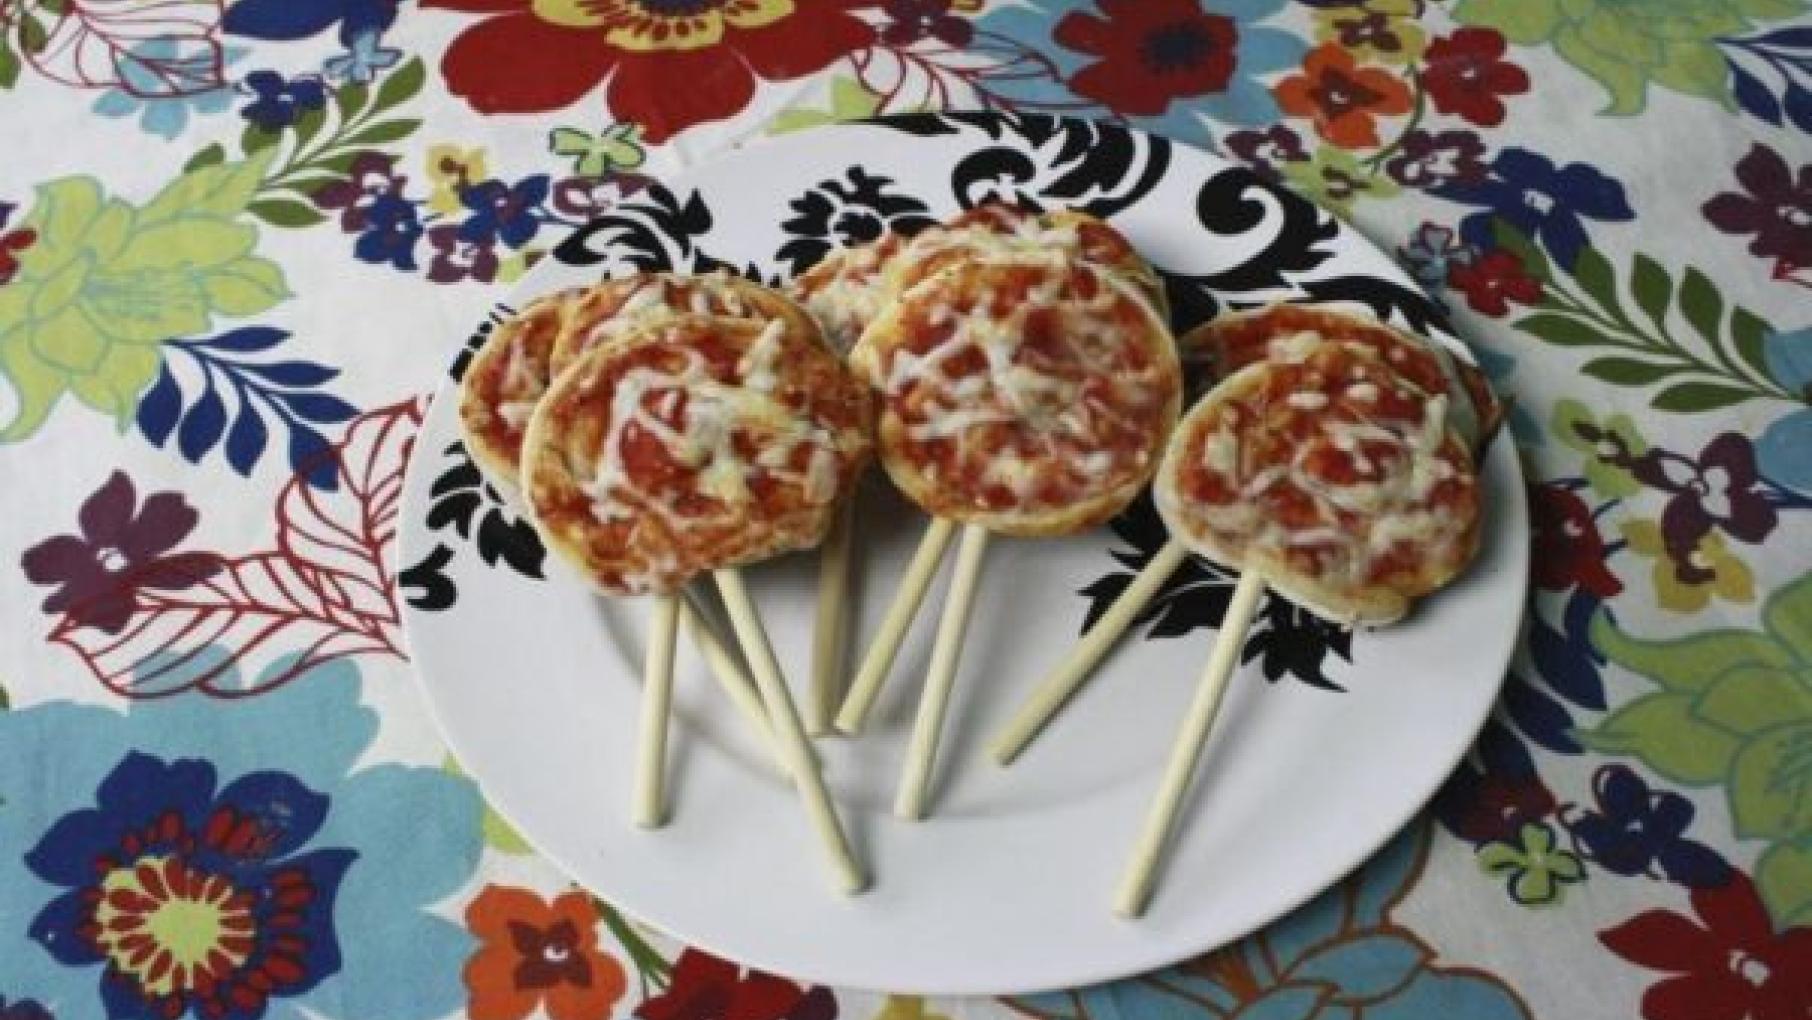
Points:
[(1730, 966), (670, 65), (1342, 97), (1464, 76), (704, 987), (123, 547), (533, 953), (1567, 549), (11, 244), (908, 21), (1492, 281), (1152, 52)]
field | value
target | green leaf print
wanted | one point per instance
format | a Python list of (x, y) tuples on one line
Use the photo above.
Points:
[(1725, 367), (1734, 709)]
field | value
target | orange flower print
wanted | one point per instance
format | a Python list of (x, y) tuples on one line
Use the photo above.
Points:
[(1342, 97), (534, 953)]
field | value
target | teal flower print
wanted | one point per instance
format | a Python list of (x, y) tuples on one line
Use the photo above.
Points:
[(139, 92), (378, 844)]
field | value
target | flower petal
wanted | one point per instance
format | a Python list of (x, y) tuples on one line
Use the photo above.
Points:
[(671, 91), (1663, 940), (1709, 994), (107, 514), (1734, 913), (483, 65)]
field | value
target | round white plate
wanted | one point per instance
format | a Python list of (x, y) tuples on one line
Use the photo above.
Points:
[(1327, 742)]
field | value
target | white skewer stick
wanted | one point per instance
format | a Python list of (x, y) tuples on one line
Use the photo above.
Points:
[(878, 661), (657, 707), (830, 630), (1136, 885), (909, 803), (731, 677), (1070, 674), (801, 763)]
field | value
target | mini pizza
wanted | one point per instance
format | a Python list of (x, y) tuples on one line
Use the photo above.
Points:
[(506, 378), (511, 371), (1336, 477), (1231, 342), (616, 308), (1021, 396), (690, 445), (996, 230)]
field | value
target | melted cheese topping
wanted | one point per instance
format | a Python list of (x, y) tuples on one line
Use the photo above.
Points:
[(1022, 386), (691, 445), (1283, 464)]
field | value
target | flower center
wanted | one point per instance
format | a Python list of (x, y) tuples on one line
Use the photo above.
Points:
[(1796, 216), (1339, 95), (1176, 47), (1539, 201), (112, 560), (171, 926), (1749, 968), (557, 952)]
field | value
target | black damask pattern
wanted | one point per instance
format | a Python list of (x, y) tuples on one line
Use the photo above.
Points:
[(657, 231), (463, 502), (843, 212)]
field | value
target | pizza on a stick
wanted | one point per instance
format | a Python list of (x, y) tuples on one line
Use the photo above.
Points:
[(693, 445), (509, 376), (1287, 335), (1327, 476), (1017, 396)]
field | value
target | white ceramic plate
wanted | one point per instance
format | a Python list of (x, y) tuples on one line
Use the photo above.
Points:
[(1326, 745)]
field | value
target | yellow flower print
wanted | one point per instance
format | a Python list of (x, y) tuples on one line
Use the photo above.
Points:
[(644, 26), (449, 169), (1724, 575), (907, 1007)]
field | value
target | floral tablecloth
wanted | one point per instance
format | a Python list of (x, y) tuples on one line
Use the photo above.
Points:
[(239, 241)]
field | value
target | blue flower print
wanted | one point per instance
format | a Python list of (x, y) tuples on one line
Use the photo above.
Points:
[(141, 92), (1541, 200), (503, 212), (192, 897), (1340, 955), (1635, 828), (363, 59), (391, 230), (244, 843), (1785, 447), (277, 102), (299, 19), (1189, 44)]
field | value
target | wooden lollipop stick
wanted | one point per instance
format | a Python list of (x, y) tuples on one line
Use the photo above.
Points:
[(1069, 675), (830, 630), (784, 717), (657, 706), (731, 677), (1136, 885), (909, 803), (879, 660)]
